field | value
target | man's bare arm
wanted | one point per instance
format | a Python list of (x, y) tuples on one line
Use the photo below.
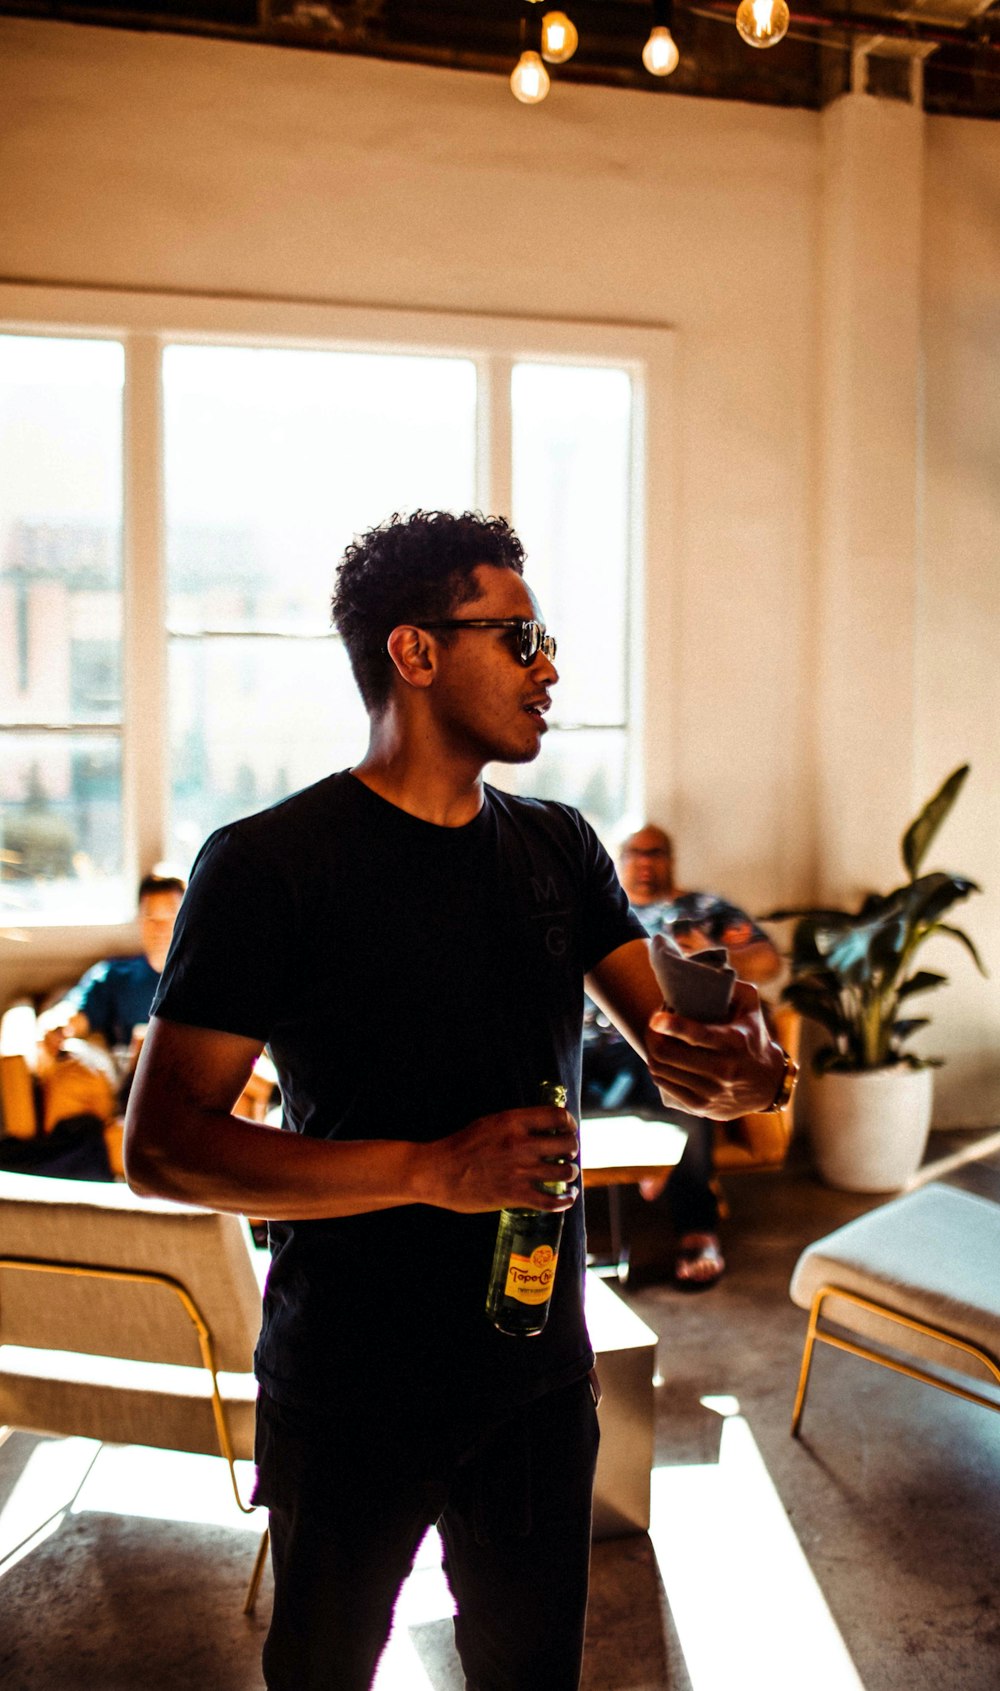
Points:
[(59, 1023), (716, 1069), (183, 1142)]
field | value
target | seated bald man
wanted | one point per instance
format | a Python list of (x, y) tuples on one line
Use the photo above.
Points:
[(646, 868)]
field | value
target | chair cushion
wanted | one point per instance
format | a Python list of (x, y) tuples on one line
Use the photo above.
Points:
[(932, 1255), (84, 1222), (121, 1402)]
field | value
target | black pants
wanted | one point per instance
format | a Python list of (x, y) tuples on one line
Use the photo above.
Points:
[(691, 1203), (514, 1515)]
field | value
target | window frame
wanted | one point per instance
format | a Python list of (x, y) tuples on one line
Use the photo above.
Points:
[(146, 322)]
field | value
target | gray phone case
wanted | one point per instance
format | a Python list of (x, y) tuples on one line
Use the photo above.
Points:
[(699, 986)]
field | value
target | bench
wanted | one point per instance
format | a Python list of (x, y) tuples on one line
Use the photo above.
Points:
[(913, 1285)]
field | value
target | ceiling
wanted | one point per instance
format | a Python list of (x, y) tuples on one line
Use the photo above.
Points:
[(956, 41)]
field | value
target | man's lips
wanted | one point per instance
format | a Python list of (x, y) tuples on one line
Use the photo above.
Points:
[(537, 708)]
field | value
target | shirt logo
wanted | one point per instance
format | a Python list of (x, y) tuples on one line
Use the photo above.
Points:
[(547, 893)]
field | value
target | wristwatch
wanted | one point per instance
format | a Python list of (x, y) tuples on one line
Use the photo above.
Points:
[(786, 1086)]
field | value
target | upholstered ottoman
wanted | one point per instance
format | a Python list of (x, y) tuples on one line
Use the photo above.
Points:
[(914, 1285)]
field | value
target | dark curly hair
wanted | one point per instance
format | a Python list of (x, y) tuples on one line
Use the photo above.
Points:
[(408, 569)]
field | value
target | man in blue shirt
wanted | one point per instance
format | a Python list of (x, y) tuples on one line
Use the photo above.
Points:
[(106, 1007)]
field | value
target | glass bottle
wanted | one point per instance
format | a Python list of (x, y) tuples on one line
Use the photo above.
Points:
[(526, 1254)]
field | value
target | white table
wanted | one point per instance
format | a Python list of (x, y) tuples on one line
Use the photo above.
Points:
[(617, 1151)]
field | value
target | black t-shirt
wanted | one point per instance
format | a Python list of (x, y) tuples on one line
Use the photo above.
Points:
[(407, 979)]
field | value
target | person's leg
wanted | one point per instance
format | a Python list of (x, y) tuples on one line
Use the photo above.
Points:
[(694, 1210), (691, 1203), (342, 1543), (516, 1531)]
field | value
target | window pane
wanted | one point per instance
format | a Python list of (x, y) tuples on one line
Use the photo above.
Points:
[(60, 627), (252, 720), (572, 495), (587, 768), (60, 529), (60, 828), (275, 459)]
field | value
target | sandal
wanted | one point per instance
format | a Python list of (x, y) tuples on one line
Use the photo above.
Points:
[(699, 1263)]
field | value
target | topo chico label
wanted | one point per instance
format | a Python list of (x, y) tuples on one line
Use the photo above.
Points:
[(529, 1279)]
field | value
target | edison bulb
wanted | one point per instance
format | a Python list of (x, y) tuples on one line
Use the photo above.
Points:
[(529, 80), (559, 38), (660, 55), (762, 23)]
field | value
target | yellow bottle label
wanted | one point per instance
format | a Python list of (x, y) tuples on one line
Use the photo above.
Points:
[(529, 1279)]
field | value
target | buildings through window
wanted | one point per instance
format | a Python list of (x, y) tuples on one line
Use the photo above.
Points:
[(266, 459)]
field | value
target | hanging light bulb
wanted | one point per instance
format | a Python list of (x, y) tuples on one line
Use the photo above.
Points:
[(559, 38), (762, 23), (529, 80), (660, 55)]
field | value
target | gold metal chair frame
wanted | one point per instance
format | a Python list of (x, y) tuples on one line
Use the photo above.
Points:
[(149, 1277), (912, 1372)]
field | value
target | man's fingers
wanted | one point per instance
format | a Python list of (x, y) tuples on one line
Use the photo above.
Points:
[(690, 1064), (745, 1004), (683, 1098), (551, 1119)]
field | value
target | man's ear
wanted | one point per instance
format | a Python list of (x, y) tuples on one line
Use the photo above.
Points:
[(412, 652)]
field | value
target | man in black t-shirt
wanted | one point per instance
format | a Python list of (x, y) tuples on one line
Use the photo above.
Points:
[(412, 946)]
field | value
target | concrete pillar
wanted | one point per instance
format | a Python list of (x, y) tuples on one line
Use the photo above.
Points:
[(870, 476)]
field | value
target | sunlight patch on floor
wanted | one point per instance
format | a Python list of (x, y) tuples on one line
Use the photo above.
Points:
[(747, 1608), (76, 1475), (41, 1494), (167, 1485), (425, 1598)]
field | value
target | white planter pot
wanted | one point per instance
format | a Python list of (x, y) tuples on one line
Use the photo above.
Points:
[(869, 1129)]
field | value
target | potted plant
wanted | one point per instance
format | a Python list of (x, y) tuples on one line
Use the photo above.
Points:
[(854, 975)]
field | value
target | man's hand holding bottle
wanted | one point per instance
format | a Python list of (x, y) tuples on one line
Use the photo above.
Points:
[(501, 1162)]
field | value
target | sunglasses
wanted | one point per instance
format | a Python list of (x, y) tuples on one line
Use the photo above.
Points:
[(531, 636)]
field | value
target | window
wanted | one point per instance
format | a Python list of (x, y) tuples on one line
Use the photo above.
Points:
[(275, 459), (572, 487), (174, 496), (61, 842)]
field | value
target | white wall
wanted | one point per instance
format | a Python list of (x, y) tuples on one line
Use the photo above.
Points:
[(957, 656), (140, 161)]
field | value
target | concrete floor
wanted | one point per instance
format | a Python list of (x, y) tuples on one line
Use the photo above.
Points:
[(864, 1555)]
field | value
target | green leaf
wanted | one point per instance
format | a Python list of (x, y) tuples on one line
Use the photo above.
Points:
[(807, 956), (929, 897), (957, 933), (827, 1058), (923, 828), (904, 1028), (923, 981), (817, 1004), (875, 901), (862, 950)]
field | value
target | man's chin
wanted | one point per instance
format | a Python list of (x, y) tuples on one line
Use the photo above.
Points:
[(524, 754)]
